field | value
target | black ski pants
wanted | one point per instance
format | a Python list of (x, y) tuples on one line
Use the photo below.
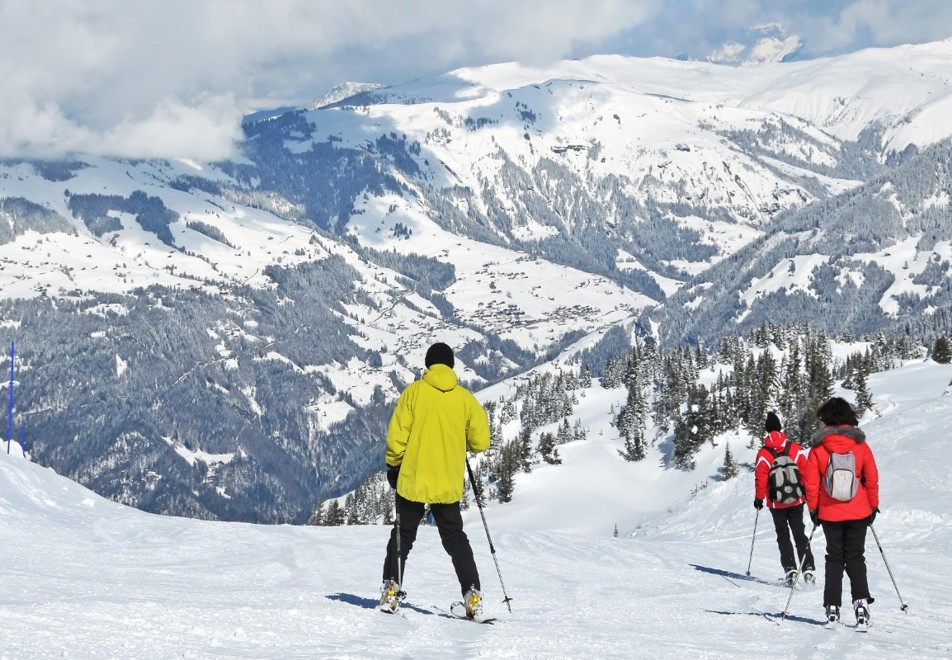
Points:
[(449, 522), (845, 548), (787, 521)]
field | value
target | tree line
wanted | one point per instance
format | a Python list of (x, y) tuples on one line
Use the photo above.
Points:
[(685, 396)]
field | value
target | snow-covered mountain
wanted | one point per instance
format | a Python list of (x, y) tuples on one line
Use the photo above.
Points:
[(86, 577), (509, 210)]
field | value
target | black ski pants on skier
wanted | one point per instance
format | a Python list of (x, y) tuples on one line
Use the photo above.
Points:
[(787, 521), (449, 522), (845, 548)]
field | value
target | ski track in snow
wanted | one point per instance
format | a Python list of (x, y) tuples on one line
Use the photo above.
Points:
[(82, 577)]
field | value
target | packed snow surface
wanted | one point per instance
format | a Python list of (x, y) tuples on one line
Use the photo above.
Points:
[(83, 577)]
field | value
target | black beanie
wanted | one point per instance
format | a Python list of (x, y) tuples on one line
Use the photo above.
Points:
[(772, 423), (439, 353)]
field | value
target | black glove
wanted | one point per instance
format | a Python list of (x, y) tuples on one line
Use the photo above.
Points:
[(393, 471), (758, 503), (815, 516), (872, 516)]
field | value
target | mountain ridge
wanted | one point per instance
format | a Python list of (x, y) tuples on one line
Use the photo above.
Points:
[(508, 210)]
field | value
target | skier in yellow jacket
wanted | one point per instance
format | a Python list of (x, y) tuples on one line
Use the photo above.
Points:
[(435, 422)]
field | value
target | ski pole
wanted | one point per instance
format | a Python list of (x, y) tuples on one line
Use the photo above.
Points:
[(888, 570), (796, 578), (492, 550), (10, 416), (753, 538), (396, 524)]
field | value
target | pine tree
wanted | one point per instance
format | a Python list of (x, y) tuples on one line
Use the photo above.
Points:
[(742, 376), (818, 359), (317, 515), (495, 435), (761, 336), (692, 429), (352, 513), (942, 351), (631, 422), (864, 399), (525, 450), (763, 390), (729, 470), (548, 449), (335, 514), (578, 432), (727, 349), (611, 374), (634, 447), (585, 380), (508, 463), (507, 485)]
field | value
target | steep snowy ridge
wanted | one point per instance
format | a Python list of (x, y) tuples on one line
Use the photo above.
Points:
[(85, 577)]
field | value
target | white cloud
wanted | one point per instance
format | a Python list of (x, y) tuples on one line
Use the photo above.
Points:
[(149, 79), (109, 76), (209, 127)]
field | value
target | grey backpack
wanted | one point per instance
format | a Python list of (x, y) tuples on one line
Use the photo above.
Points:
[(840, 481)]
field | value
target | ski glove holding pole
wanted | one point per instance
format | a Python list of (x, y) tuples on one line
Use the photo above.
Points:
[(393, 471), (815, 516), (872, 516), (758, 503)]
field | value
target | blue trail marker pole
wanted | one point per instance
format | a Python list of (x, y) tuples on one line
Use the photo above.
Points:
[(10, 415)]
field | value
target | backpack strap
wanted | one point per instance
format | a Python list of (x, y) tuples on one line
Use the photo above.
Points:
[(777, 454)]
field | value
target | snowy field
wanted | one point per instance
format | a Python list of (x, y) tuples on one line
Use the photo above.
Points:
[(82, 577)]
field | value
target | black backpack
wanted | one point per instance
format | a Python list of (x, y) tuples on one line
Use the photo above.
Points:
[(783, 481)]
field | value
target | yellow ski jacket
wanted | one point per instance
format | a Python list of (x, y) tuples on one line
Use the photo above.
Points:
[(435, 422)]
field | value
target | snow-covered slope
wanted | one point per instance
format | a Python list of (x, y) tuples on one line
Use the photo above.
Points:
[(84, 577)]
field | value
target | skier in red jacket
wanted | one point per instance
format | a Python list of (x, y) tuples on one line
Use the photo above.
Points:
[(840, 460), (787, 510)]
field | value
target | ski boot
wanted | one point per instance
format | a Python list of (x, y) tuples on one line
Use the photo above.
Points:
[(390, 596), (861, 609), (808, 576), (832, 613), (473, 601), (790, 578)]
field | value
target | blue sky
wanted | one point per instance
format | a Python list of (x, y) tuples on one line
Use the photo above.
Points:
[(120, 76), (695, 28)]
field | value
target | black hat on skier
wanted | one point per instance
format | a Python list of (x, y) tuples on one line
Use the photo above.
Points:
[(439, 353), (772, 423)]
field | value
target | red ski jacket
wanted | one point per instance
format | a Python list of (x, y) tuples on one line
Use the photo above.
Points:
[(776, 440), (841, 439)]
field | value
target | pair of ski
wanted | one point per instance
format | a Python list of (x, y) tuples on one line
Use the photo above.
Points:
[(862, 621), (859, 626), (457, 610), (829, 625)]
